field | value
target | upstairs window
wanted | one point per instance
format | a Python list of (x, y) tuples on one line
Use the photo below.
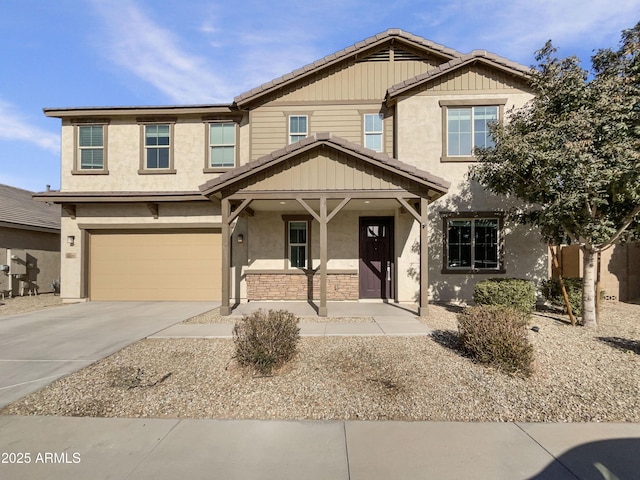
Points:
[(373, 131), (468, 128), (222, 145), (298, 128), (157, 144), (91, 147)]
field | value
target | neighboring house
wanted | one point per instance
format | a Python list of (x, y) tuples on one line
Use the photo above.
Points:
[(342, 180), (29, 243)]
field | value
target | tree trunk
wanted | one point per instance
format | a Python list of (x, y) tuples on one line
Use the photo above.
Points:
[(589, 318)]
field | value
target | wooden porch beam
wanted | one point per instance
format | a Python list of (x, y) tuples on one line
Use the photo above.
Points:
[(337, 209), (234, 214), (311, 211), (407, 206), (322, 309), (424, 258), (225, 308)]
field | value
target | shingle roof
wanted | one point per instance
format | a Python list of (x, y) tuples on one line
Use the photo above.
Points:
[(325, 138), (393, 33), (475, 56), (18, 207)]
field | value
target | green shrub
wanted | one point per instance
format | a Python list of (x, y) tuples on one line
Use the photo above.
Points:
[(266, 340), (508, 292), (497, 336), (552, 291)]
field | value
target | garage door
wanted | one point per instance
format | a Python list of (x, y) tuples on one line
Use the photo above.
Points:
[(169, 265)]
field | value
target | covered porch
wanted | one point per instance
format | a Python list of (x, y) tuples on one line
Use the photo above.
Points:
[(323, 219)]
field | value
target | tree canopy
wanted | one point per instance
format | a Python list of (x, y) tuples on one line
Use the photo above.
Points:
[(572, 154)]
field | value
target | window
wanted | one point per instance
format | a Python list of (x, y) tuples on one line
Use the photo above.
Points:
[(468, 128), (373, 131), (298, 128), (472, 244), (91, 147), (222, 145), (298, 243), (157, 146)]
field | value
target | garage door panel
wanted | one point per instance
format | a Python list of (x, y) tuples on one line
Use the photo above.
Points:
[(155, 266)]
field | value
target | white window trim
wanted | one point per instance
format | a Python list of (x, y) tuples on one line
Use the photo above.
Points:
[(374, 132), (290, 134), (210, 166)]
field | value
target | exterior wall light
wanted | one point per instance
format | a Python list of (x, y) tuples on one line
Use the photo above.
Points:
[(71, 240), (240, 238)]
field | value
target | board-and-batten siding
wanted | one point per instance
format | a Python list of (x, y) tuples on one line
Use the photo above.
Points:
[(317, 170), (474, 78)]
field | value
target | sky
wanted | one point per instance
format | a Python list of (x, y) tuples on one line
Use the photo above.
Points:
[(79, 53)]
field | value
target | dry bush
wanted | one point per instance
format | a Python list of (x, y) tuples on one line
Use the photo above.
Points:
[(265, 341), (497, 336)]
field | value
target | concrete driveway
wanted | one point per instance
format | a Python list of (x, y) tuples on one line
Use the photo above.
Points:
[(36, 348)]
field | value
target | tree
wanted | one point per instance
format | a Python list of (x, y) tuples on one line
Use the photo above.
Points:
[(572, 154)]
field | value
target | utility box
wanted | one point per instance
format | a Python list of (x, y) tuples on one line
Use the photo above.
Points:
[(17, 259)]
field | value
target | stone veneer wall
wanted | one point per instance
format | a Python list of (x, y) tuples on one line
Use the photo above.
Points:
[(285, 286)]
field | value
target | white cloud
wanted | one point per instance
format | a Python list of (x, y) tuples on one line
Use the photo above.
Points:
[(15, 127), (154, 54)]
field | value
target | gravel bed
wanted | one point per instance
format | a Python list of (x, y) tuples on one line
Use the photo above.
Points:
[(28, 303), (213, 316), (580, 375)]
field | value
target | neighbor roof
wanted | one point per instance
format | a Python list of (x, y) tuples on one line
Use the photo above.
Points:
[(378, 159), (352, 51), (477, 56), (19, 210)]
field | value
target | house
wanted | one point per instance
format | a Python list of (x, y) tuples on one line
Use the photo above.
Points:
[(342, 180), (29, 243)]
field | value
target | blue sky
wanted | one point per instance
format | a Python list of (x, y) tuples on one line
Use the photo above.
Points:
[(70, 53)]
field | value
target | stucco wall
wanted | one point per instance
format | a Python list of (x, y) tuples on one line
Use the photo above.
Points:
[(124, 153), (420, 143), (42, 250)]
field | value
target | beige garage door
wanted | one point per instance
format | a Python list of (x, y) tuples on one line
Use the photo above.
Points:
[(182, 266)]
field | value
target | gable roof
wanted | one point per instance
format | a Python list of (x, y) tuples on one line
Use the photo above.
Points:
[(19, 210), (376, 159), (477, 56), (393, 34)]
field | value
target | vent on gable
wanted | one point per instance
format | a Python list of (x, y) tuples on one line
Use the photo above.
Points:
[(379, 56), (400, 55)]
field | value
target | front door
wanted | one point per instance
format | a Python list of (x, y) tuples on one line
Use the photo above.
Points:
[(376, 257)]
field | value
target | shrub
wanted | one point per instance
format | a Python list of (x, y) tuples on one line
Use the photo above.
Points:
[(508, 292), (497, 336), (266, 340), (552, 292)]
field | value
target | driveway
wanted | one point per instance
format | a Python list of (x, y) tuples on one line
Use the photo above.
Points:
[(36, 348)]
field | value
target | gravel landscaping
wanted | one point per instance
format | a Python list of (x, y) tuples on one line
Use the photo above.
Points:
[(580, 375), (28, 303)]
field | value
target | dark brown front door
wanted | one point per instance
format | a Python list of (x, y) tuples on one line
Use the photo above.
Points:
[(376, 257)]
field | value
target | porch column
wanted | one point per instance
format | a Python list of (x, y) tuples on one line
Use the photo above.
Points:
[(424, 258), (322, 309), (225, 308)]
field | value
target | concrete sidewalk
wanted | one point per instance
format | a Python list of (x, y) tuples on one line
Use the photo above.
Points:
[(100, 448), (388, 319)]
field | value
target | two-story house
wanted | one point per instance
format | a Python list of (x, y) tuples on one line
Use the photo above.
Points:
[(342, 180)]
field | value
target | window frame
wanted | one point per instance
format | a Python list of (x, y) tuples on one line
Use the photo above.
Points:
[(288, 219), (209, 168), (445, 105), (290, 134), (473, 217), (379, 133), (77, 155), (143, 169)]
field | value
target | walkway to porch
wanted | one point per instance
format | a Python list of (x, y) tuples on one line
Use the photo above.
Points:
[(388, 319)]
